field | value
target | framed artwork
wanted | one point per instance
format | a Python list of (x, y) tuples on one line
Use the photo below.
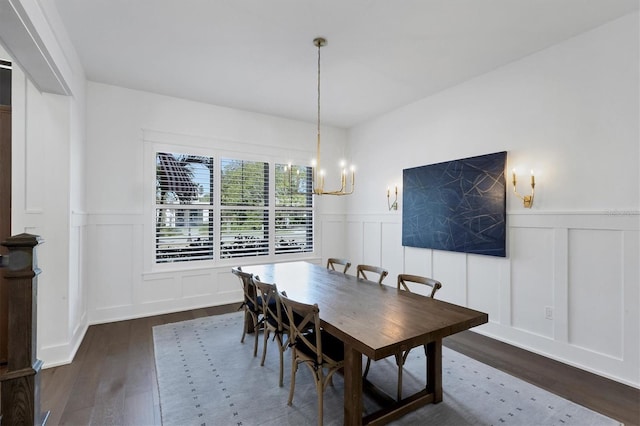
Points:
[(457, 205)]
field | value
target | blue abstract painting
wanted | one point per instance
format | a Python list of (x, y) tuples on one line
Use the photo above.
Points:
[(457, 205)]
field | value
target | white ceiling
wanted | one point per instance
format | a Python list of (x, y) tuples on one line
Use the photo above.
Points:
[(258, 55)]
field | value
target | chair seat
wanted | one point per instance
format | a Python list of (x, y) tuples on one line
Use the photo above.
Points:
[(274, 321), (331, 346)]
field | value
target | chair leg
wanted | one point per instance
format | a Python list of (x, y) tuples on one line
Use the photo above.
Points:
[(366, 369), (281, 349), (255, 340), (400, 362), (294, 369), (245, 326), (320, 389), (265, 334), (426, 368)]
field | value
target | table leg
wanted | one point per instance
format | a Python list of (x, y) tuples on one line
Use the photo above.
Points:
[(434, 369), (248, 319), (352, 386)]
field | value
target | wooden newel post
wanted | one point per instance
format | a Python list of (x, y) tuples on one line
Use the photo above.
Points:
[(20, 380)]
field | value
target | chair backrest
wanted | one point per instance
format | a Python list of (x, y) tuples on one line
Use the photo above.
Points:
[(335, 261), (403, 279), (302, 318), (375, 269), (271, 306), (249, 289)]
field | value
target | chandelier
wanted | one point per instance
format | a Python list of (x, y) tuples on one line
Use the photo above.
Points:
[(317, 171)]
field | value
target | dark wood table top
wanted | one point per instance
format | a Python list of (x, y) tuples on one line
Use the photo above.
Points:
[(375, 320)]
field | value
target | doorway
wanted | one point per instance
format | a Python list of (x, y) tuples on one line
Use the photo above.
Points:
[(5, 194)]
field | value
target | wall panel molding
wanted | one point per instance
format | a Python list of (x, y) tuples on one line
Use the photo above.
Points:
[(561, 287), (612, 219), (372, 238), (600, 264)]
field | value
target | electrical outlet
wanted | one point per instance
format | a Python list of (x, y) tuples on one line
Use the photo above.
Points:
[(548, 312)]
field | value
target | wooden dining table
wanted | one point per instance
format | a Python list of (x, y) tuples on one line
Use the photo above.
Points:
[(377, 321)]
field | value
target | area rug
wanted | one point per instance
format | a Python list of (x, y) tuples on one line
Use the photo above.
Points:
[(207, 377)]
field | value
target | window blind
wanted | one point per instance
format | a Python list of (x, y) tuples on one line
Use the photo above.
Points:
[(184, 214), (294, 209), (249, 218), (244, 218)]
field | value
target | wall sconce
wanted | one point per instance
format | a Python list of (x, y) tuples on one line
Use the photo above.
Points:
[(527, 200), (394, 205)]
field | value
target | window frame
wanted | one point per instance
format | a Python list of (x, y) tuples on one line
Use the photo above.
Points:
[(251, 154)]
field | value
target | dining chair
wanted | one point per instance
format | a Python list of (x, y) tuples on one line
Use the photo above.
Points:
[(403, 279), (401, 357), (274, 319), (381, 272), (251, 304), (317, 349), (333, 261)]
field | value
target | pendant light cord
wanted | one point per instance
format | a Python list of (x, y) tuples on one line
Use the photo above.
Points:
[(319, 45)]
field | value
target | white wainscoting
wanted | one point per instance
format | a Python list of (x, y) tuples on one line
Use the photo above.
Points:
[(122, 289), (582, 266), (120, 286), (62, 350)]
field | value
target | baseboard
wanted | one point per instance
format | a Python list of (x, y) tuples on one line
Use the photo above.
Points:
[(57, 355), (563, 353)]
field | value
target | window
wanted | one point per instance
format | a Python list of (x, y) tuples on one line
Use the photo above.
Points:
[(294, 209), (184, 215), (261, 209), (244, 214)]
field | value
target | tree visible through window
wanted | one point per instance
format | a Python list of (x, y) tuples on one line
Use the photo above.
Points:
[(253, 218), (244, 214), (294, 209)]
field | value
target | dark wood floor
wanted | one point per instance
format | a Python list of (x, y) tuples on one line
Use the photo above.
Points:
[(112, 378)]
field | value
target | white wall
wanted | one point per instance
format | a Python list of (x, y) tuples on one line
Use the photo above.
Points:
[(40, 205), (48, 179), (570, 113), (122, 127)]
